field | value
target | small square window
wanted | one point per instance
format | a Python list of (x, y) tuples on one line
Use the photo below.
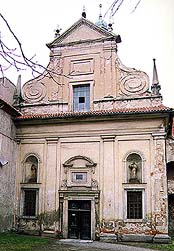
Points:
[(81, 100), (79, 176)]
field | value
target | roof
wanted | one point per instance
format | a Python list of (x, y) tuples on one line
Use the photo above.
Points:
[(113, 112), (4, 79), (8, 108)]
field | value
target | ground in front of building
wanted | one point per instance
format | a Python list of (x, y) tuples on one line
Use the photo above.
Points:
[(29, 243)]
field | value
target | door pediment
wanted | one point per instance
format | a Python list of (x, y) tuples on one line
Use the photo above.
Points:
[(79, 172), (79, 161)]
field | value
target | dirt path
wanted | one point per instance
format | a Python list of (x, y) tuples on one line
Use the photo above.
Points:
[(93, 246)]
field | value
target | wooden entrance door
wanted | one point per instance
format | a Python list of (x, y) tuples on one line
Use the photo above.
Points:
[(79, 219)]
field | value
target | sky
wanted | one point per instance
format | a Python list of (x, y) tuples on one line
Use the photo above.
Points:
[(146, 33)]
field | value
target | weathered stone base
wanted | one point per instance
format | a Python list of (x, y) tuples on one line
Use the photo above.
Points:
[(29, 232), (48, 233), (137, 238), (158, 238), (106, 237), (126, 238), (161, 238), (28, 226)]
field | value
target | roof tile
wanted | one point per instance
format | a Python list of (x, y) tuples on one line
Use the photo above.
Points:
[(118, 111)]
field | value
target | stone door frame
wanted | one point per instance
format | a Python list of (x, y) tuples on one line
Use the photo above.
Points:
[(65, 196)]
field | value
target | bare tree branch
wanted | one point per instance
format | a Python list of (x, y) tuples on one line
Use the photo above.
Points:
[(136, 6), (115, 6), (111, 7), (118, 7), (19, 61), (16, 58)]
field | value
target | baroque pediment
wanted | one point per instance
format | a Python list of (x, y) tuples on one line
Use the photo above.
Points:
[(82, 30), (79, 161)]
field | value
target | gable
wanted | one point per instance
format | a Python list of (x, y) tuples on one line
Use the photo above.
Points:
[(82, 30), (83, 33)]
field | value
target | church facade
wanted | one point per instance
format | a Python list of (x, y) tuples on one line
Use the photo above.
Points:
[(91, 144)]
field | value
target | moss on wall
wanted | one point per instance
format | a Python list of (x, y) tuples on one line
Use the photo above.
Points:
[(6, 222)]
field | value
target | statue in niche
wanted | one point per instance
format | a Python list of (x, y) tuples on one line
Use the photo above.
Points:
[(33, 174), (133, 172)]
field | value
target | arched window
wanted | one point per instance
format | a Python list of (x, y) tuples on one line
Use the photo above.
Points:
[(31, 169), (30, 190), (134, 168)]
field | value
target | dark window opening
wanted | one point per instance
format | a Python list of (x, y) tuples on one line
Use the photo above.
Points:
[(170, 170), (29, 203), (134, 205), (81, 100), (79, 177), (79, 205)]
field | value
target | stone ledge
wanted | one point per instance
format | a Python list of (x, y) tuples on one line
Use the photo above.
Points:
[(161, 238), (136, 238), (106, 237), (48, 233)]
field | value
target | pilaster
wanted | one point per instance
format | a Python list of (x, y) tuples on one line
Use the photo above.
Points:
[(160, 207)]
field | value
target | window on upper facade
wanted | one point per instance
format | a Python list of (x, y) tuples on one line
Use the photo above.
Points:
[(134, 205), (81, 98), (29, 206), (31, 169), (134, 168)]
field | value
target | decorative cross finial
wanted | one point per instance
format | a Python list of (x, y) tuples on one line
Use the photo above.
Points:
[(100, 6), (101, 23), (84, 12), (57, 31)]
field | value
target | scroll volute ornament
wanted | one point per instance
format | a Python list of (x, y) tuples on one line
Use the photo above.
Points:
[(34, 91), (132, 82)]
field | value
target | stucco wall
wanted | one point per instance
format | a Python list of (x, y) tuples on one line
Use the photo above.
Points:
[(7, 89), (8, 171), (107, 144)]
